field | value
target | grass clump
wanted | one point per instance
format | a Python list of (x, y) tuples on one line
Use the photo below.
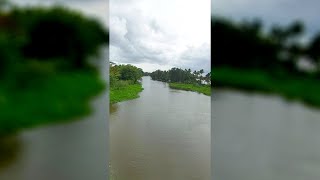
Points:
[(204, 89), (124, 92)]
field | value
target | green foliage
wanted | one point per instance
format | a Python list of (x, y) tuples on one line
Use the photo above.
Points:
[(178, 75), (124, 73), (126, 92), (44, 75), (50, 35), (58, 33), (160, 75), (124, 83), (8, 55), (246, 58), (184, 79), (291, 87), (192, 87), (246, 46), (314, 48), (62, 97), (129, 72)]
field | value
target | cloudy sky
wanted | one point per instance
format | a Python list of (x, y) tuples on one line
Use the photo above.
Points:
[(153, 34), (272, 11)]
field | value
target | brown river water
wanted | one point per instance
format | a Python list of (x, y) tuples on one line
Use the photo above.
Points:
[(162, 135), (264, 137)]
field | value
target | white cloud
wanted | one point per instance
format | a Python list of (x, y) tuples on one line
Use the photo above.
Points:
[(151, 34), (196, 57), (155, 34)]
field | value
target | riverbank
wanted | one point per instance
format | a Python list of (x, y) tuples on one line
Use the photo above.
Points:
[(124, 82), (305, 89), (204, 89), (58, 98), (124, 93)]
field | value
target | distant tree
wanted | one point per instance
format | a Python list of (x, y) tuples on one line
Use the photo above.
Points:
[(178, 75), (129, 72), (314, 49), (59, 33), (208, 78), (244, 45)]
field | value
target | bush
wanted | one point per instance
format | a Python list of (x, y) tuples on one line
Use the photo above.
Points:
[(59, 33), (32, 73), (9, 55)]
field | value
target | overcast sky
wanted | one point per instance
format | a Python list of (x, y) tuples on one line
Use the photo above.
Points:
[(272, 11), (151, 34), (154, 34)]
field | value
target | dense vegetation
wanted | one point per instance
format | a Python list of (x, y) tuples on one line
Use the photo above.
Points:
[(246, 46), (44, 73), (191, 87), (124, 82), (184, 79), (247, 56)]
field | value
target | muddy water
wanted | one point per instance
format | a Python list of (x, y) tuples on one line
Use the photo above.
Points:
[(264, 137), (163, 134)]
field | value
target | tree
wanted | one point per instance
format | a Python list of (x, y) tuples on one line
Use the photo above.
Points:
[(314, 48), (208, 78), (58, 33), (178, 75)]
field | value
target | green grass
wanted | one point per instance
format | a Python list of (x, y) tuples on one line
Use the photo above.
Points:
[(57, 99), (305, 89), (204, 89), (126, 92)]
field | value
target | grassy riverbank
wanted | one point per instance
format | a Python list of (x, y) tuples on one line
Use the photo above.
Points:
[(305, 89), (204, 89), (124, 82), (127, 92), (45, 76), (58, 98)]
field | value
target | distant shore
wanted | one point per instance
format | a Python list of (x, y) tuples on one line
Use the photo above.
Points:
[(62, 97), (204, 89), (305, 89)]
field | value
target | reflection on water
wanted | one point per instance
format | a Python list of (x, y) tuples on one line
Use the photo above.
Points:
[(10, 148), (264, 137), (162, 135)]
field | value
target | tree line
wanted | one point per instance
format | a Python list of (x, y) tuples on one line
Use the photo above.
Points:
[(178, 75), (122, 75), (36, 41), (247, 45)]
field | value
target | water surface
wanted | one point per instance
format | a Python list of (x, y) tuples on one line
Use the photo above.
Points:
[(264, 137), (163, 135)]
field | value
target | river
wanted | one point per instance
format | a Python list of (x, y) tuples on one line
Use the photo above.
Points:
[(163, 134), (74, 150), (264, 137)]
